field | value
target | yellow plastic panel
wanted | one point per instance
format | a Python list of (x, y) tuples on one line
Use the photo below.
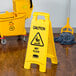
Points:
[(12, 24), (41, 43), (67, 28), (23, 6)]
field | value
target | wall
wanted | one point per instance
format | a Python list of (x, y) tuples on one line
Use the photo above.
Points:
[(73, 14), (6, 5), (58, 10)]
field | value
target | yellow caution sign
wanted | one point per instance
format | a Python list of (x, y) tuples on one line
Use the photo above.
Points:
[(67, 28), (41, 43)]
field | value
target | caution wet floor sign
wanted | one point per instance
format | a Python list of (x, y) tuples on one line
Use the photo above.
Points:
[(41, 43)]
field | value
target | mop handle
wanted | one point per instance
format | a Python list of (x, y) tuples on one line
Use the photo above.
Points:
[(68, 21)]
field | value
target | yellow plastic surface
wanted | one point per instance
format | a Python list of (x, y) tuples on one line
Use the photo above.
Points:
[(12, 24), (22, 6), (41, 43), (67, 28)]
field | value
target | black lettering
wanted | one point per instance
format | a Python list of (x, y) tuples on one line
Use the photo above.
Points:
[(36, 48), (34, 27), (38, 28), (35, 51)]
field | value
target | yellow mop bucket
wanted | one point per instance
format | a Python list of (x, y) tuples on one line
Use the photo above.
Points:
[(11, 24)]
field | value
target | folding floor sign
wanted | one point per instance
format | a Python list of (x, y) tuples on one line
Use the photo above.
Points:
[(41, 43)]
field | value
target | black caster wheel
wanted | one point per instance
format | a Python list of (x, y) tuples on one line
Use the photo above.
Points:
[(3, 41), (19, 37)]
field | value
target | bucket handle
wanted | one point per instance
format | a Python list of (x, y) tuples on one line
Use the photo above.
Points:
[(31, 4)]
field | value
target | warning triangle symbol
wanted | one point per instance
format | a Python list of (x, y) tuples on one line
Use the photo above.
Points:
[(37, 40)]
